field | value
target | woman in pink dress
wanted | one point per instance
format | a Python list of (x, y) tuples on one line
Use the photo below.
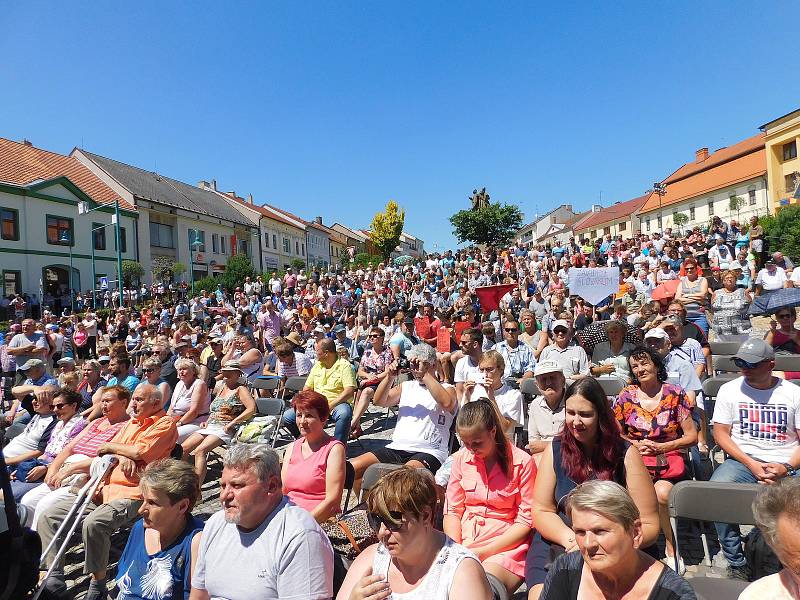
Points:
[(488, 502), (313, 466)]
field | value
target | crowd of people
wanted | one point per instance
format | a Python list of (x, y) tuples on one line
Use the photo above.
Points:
[(514, 464)]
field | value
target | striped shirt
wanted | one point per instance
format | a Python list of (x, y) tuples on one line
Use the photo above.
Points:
[(94, 437)]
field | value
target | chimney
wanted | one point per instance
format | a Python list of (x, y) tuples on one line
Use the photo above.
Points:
[(26, 143), (203, 185), (214, 184), (318, 220), (232, 194), (250, 198), (701, 155), (596, 208)]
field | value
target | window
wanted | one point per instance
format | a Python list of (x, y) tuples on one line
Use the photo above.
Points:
[(790, 150), (303, 249), (751, 195), (711, 208), (606, 230), (286, 246), (99, 236), (9, 224), (266, 240), (123, 240), (59, 229), (296, 247), (647, 223), (691, 213), (274, 241), (243, 247), (790, 183), (12, 282), (622, 227), (214, 243), (222, 243), (201, 237), (161, 236)]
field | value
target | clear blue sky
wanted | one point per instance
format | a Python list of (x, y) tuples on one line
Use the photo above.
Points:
[(334, 108)]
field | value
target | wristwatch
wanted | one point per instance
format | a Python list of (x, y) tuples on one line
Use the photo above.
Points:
[(790, 470)]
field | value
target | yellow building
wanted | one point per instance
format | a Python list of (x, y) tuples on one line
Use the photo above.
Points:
[(783, 165)]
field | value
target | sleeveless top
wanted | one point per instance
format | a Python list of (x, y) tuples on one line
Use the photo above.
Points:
[(305, 478), (436, 584), (565, 484), (253, 371), (693, 308), (164, 575), (182, 401), (225, 408), (730, 312)]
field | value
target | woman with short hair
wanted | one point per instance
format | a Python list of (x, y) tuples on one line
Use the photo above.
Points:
[(190, 399), (692, 292), (162, 546), (412, 559), (151, 373), (609, 564)]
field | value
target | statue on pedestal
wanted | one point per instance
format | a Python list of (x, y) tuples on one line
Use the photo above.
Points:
[(480, 199)]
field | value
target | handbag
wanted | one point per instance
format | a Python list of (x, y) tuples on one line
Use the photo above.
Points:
[(350, 532), (665, 466)]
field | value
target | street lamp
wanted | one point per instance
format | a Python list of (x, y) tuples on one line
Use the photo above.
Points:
[(192, 245), (83, 209), (66, 238), (661, 190)]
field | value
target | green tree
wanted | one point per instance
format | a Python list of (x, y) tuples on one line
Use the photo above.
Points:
[(494, 224), (164, 268), (132, 272), (386, 229), (178, 269), (236, 270), (298, 263), (735, 204), (782, 231), (680, 220)]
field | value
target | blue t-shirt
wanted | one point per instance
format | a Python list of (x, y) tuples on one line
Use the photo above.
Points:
[(130, 382), (164, 575)]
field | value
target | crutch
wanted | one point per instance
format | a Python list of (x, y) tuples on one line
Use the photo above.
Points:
[(101, 466)]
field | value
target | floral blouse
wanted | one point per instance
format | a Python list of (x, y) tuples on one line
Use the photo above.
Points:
[(662, 424)]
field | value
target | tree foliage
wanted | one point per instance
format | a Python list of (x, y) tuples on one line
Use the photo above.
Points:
[(386, 229), (163, 268), (236, 270), (495, 224), (680, 219), (132, 272), (782, 231), (298, 263)]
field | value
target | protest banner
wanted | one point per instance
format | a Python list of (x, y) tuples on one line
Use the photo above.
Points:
[(594, 284)]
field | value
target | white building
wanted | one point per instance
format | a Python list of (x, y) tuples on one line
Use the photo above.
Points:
[(41, 231), (540, 226)]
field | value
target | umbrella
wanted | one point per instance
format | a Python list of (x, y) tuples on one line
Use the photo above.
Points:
[(774, 301), (594, 333), (402, 260), (666, 290)]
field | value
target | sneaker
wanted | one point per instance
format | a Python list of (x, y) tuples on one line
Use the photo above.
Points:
[(670, 562), (55, 587), (97, 591), (741, 572)]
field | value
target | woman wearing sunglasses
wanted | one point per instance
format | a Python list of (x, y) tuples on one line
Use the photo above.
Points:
[(151, 373), (783, 335), (692, 292), (412, 559)]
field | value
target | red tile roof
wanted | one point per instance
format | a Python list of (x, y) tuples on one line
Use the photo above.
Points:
[(615, 212), (726, 167), (21, 164)]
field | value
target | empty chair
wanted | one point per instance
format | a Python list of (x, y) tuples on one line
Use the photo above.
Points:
[(266, 384), (724, 348), (373, 475), (529, 388), (294, 384), (711, 501), (612, 386), (787, 362), (266, 407)]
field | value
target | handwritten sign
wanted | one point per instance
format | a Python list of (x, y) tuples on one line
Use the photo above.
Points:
[(443, 339), (594, 284)]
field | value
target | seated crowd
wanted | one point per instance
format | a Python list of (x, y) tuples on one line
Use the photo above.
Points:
[(512, 463)]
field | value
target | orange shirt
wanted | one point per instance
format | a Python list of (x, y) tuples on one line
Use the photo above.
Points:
[(154, 437)]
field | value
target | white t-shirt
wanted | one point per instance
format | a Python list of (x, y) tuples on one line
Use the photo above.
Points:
[(763, 422), (287, 557), (795, 278), (509, 401), (422, 424), (771, 282), (464, 368)]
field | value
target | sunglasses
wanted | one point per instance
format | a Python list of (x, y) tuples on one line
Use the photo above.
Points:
[(374, 335), (510, 329), (60, 405), (560, 330), (743, 364), (148, 370), (393, 523)]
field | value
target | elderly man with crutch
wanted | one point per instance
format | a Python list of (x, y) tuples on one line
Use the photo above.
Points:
[(148, 436)]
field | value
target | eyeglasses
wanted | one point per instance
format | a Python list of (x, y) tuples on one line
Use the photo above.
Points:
[(374, 335), (743, 364), (510, 329), (60, 405), (148, 370), (560, 330), (393, 523)]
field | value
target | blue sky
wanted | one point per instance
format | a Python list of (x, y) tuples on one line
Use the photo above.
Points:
[(334, 108)]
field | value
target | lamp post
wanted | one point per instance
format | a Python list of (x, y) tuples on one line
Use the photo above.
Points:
[(661, 190), (195, 241), (83, 209), (66, 238)]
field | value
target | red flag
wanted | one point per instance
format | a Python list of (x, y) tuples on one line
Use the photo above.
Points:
[(490, 295)]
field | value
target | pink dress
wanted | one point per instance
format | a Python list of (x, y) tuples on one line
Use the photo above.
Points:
[(488, 505), (305, 477)]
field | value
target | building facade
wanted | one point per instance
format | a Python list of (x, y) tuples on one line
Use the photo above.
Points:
[(540, 226), (782, 136), (318, 243), (620, 219), (42, 232)]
